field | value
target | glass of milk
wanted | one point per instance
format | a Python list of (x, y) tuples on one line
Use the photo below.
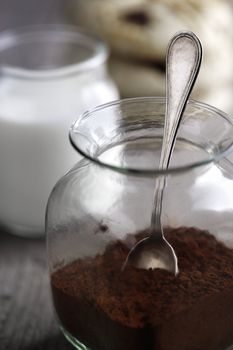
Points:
[(48, 76)]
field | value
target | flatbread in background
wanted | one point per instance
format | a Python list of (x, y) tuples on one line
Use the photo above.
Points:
[(143, 28), (135, 80), (138, 32)]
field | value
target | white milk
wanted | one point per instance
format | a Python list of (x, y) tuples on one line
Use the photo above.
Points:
[(35, 116)]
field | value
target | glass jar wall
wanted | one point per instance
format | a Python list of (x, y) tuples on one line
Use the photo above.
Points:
[(102, 207)]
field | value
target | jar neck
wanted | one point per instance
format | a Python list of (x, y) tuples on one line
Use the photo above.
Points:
[(126, 136)]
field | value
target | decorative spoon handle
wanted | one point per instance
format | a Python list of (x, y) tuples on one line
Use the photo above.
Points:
[(183, 63)]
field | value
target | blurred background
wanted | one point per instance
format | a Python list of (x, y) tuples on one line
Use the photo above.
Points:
[(137, 33)]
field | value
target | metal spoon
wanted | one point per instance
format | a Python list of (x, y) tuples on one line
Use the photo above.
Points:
[(183, 62)]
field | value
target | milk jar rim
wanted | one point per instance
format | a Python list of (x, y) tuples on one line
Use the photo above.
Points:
[(10, 38)]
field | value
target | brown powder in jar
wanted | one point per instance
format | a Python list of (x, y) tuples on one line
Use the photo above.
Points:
[(106, 308)]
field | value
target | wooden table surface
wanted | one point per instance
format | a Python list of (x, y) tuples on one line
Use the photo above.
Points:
[(27, 320)]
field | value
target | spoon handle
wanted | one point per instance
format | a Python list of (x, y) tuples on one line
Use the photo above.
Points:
[(184, 57), (183, 64)]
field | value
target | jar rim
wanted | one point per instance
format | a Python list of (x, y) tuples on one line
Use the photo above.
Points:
[(10, 38), (151, 172)]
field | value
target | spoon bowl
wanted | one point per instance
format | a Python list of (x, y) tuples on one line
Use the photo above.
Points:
[(183, 62), (153, 253)]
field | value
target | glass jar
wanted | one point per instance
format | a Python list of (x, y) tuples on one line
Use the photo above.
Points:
[(48, 75), (102, 207)]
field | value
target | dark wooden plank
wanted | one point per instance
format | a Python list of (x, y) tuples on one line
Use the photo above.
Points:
[(27, 319)]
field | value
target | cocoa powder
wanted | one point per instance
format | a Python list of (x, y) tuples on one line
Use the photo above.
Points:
[(106, 308)]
